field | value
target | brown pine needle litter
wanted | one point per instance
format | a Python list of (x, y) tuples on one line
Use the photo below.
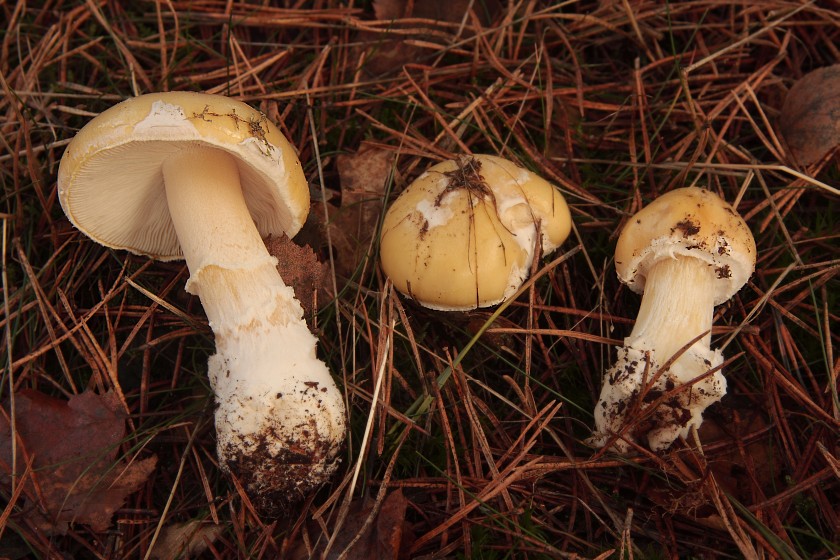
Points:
[(467, 431)]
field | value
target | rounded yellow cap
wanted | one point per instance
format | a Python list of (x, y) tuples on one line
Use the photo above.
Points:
[(463, 235)]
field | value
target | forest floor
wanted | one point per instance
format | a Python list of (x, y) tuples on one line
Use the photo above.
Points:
[(467, 431)]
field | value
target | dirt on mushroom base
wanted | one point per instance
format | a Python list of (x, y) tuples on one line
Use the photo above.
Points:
[(654, 405), (279, 429), (275, 481)]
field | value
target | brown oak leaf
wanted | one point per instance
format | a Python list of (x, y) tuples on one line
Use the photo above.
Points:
[(185, 540), (364, 176), (392, 48), (738, 446), (72, 444), (300, 268), (385, 536)]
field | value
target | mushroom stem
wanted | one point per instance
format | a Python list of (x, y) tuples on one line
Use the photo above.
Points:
[(217, 235), (280, 418), (677, 306)]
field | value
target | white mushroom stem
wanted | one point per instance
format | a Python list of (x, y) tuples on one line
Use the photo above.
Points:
[(280, 418), (677, 306)]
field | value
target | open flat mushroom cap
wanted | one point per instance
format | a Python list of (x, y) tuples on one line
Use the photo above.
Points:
[(110, 182), (463, 234), (690, 222)]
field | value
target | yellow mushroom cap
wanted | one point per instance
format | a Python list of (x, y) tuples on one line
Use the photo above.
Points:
[(690, 222), (110, 183), (463, 234)]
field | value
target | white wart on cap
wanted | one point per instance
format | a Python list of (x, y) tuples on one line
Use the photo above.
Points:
[(204, 177), (686, 252)]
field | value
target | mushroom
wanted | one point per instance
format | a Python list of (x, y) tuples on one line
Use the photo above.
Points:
[(203, 177), (464, 234), (686, 252)]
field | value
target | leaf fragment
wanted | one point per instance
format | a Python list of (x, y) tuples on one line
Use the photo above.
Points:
[(300, 268), (427, 22), (73, 445), (367, 534), (364, 176), (185, 540)]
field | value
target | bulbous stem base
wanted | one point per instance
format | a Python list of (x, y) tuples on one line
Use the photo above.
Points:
[(641, 400)]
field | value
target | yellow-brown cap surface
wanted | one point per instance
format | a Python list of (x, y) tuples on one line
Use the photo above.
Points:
[(463, 234), (691, 222), (111, 187)]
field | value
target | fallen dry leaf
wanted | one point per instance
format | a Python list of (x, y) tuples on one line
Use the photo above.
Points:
[(73, 447), (386, 537), (300, 268), (364, 177), (810, 116), (725, 433), (436, 10), (185, 540), (737, 450), (497, 342), (386, 52)]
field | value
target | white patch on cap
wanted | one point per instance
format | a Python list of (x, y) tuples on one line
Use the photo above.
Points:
[(434, 215), (164, 115)]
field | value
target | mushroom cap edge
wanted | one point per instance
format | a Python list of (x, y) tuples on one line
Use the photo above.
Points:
[(111, 188), (692, 222)]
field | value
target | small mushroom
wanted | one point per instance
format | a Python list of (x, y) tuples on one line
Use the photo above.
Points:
[(686, 252), (204, 177), (464, 234)]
